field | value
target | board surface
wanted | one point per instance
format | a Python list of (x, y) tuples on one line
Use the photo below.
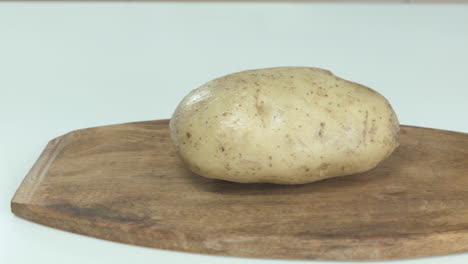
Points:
[(125, 183)]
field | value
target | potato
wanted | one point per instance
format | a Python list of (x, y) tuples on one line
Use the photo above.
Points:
[(287, 125)]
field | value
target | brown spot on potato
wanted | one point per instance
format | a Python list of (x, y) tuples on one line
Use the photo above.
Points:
[(364, 131), (189, 135), (323, 166), (322, 126), (222, 148), (259, 107), (373, 130)]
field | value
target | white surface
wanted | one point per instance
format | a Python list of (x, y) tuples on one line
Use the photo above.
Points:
[(76, 65)]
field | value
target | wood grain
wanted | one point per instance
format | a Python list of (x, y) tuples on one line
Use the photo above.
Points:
[(125, 183)]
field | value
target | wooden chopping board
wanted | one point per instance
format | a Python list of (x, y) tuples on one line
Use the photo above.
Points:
[(125, 183)]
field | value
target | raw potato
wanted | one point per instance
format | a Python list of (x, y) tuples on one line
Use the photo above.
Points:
[(287, 125)]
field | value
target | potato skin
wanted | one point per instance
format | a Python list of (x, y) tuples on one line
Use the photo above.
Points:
[(285, 125)]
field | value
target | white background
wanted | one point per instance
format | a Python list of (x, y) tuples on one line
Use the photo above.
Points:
[(65, 66)]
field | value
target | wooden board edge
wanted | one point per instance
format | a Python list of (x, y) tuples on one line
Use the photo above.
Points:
[(108, 230), (362, 249), (26, 190), (155, 122), (459, 133)]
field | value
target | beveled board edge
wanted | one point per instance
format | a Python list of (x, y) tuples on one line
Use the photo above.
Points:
[(27, 188)]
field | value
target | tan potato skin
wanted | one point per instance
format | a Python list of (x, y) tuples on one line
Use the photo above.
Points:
[(285, 125)]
